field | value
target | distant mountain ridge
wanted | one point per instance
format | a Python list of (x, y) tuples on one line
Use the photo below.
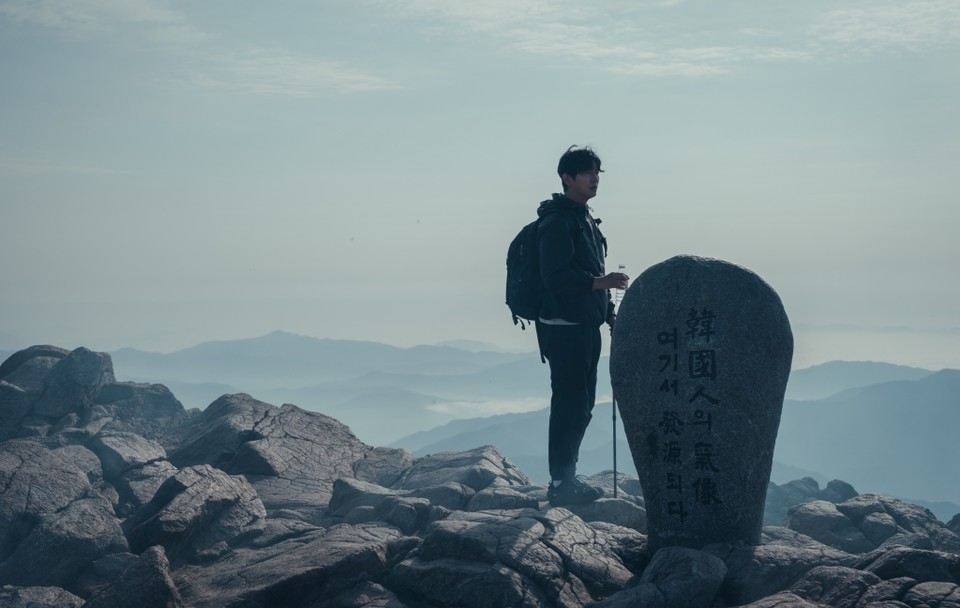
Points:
[(832, 377), (285, 357), (896, 438)]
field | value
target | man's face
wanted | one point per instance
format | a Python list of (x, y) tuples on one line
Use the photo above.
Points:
[(583, 187)]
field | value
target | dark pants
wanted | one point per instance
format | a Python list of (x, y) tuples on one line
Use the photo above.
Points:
[(573, 352)]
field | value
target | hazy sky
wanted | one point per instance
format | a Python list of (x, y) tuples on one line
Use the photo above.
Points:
[(173, 172)]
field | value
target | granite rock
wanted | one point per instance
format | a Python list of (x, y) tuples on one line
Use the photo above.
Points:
[(38, 597), (918, 564), (311, 566), (120, 452), (73, 384), (756, 572), (835, 586), (933, 595), (780, 498), (823, 521), (619, 511), (197, 511), (685, 577), (291, 456), (477, 469), (52, 520), (148, 410), (28, 368), (699, 362), (145, 583)]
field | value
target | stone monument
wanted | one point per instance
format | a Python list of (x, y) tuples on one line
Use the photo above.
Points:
[(699, 361)]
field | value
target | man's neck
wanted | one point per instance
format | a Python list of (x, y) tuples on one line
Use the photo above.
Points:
[(576, 200)]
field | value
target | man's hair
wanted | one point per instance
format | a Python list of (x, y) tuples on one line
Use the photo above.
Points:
[(576, 161)]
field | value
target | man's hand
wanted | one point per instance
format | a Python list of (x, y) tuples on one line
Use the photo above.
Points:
[(614, 280)]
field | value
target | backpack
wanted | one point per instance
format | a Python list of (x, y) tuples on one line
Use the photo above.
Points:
[(524, 292)]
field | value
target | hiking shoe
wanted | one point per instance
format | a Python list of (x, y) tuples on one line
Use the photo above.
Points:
[(572, 492)]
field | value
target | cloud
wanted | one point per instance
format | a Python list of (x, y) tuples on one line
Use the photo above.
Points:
[(673, 38), (466, 409), (909, 24), (247, 69), (87, 14), (277, 72), (489, 15)]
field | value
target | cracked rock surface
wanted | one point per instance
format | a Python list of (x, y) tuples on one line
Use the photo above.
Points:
[(111, 495)]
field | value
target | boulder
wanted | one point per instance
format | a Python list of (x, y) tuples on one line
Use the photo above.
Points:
[(587, 552), (501, 498), (878, 527), (28, 368), (477, 469), (73, 384), (348, 494), (103, 572), (363, 595), (918, 564), (292, 457), (61, 545), (699, 362), (782, 498), (311, 566), (873, 513), (513, 558), (954, 524), (408, 514), (784, 599), (685, 577), (14, 404), (120, 452), (891, 590), (148, 410), (195, 512), (933, 595), (834, 586), (450, 495), (38, 597), (459, 583), (619, 511), (645, 596), (136, 487), (756, 572), (83, 460), (628, 545), (146, 583), (838, 491), (52, 521), (778, 535), (355, 501), (821, 520)]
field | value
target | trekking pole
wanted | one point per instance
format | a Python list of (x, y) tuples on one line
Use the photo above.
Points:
[(618, 295)]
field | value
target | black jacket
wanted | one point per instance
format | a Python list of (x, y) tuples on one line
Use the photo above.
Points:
[(571, 256)]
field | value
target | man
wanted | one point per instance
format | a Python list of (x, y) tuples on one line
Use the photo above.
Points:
[(576, 303)]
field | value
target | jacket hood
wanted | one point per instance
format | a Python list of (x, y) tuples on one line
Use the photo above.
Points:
[(559, 202)]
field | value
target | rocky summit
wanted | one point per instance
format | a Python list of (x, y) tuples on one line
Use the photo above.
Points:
[(113, 495)]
